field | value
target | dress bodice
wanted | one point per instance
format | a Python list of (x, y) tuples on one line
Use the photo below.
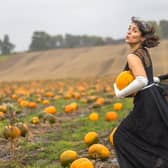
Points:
[(144, 56)]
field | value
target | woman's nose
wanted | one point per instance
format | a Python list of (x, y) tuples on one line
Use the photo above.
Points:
[(129, 32)]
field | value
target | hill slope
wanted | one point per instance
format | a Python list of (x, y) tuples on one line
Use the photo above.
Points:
[(75, 63)]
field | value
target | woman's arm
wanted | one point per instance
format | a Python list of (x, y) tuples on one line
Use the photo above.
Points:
[(163, 77), (137, 69), (136, 66), (159, 78)]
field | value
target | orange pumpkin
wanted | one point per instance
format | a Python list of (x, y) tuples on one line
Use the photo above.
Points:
[(84, 100), (50, 110), (91, 98), (99, 151), (81, 88), (93, 116), (24, 103), (107, 88), (39, 100), (100, 101), (32, 104), (68, 157), (91, 138), (117, 106), (57, 97), (19, 99), (11, 132), (68, 108), (14, 96), (76, 95), (82, 163), (3, 108), (111, 116), (74, 106), (45, 102), (68, 95), (49, 94), (124, 79), (35, 120)]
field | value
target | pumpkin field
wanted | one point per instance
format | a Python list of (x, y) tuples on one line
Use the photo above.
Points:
[(59, 123), (58, 109)]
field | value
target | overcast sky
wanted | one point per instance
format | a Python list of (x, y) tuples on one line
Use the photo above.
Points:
[(20, 18)]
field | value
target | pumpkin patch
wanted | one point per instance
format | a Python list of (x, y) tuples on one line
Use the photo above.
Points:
[(44, 126)]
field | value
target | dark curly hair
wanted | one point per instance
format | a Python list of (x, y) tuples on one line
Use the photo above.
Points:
[(148, 32)]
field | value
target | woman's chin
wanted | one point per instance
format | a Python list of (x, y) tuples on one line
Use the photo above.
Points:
[(127, 41)]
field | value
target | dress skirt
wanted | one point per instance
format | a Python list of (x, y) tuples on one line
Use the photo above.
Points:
[(141, 140)]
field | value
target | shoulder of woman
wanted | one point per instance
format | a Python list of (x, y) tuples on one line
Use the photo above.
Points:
[(132, 58)]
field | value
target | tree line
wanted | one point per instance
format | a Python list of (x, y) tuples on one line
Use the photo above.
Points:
[(41, 40), (6, 47)]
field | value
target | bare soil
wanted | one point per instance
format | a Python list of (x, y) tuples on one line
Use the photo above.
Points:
[(75, 63)]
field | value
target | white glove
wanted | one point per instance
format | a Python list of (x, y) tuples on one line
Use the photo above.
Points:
[(156, 79), (116, 90), (137, 84)]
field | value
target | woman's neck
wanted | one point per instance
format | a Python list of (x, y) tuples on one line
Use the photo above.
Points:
[(134, 47)]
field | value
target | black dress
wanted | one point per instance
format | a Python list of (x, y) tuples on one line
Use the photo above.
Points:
[(141, 140)]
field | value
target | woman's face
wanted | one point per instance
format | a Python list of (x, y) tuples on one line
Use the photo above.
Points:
[(133, 35)]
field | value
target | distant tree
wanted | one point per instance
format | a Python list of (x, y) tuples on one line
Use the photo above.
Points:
[(40, 41), (163, 29), (98, 41), (0, 44), (6, 46), (71, 41), (92, 40), (58, 41), (108, 40), (44, 41)]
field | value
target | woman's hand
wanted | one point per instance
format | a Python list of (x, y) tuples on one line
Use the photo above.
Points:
[(156, 79), (116, 90)]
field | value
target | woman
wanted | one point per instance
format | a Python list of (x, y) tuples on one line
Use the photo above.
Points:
[(141, 140)]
